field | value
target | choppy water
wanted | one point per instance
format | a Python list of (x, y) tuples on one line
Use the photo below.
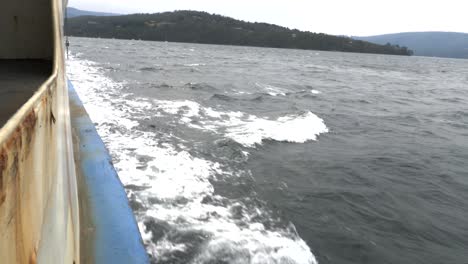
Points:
[(253, 155)]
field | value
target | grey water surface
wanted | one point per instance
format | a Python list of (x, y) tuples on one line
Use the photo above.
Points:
[(388, 182)]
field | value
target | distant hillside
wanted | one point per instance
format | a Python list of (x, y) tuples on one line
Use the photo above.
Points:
[(73, 12), (201, 27), (436, 44)]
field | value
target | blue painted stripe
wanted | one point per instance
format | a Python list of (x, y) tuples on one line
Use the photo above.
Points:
[(117, 238)]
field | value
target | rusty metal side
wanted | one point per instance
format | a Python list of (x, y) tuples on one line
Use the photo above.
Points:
[(24, 184), (39, 220)]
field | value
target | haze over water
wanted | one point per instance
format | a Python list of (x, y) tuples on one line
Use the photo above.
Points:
[(256, 155)]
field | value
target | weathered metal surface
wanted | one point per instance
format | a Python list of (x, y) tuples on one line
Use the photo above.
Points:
[(109, 230), (26, 29), (39, 220)]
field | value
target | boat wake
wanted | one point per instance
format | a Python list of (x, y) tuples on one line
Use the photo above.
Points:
[(171, 190), (243, 128)]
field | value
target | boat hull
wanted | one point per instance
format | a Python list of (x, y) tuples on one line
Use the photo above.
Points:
[(45, 175)]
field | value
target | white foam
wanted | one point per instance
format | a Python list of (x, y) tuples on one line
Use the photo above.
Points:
[(174, 173), (291, 128), (315, 92), (279, 249), (194, 64), (179, 174), (272, 90), (240, 92), (188, 108), (246, 129)]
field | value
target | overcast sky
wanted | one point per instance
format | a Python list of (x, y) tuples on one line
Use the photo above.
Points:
[(339, 17)]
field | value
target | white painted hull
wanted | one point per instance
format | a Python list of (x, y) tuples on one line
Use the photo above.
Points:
[(39, 218)]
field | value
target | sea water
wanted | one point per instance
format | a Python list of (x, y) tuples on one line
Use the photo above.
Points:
[(256, 155)]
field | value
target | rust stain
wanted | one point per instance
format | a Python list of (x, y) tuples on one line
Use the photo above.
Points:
[(17, 148), (30, 120), (3, 166), (18, 138), (33, 257), (29, 124), (14, 152), (2, 197), (52, 117), (15, 166), (26, 129), (3, 160)]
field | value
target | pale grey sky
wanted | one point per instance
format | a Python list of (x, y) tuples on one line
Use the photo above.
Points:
[(339, 17)]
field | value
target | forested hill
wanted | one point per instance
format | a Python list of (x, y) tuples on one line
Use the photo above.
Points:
[(201, 27)]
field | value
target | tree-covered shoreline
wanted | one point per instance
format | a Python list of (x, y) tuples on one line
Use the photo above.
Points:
[(205, 28)]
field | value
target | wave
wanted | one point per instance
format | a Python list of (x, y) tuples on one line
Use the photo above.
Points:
[(150, 69), (223, 97), (246, 129), (201, 87), (272, 90), (178, 213), (255, 97), (194, 64)]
